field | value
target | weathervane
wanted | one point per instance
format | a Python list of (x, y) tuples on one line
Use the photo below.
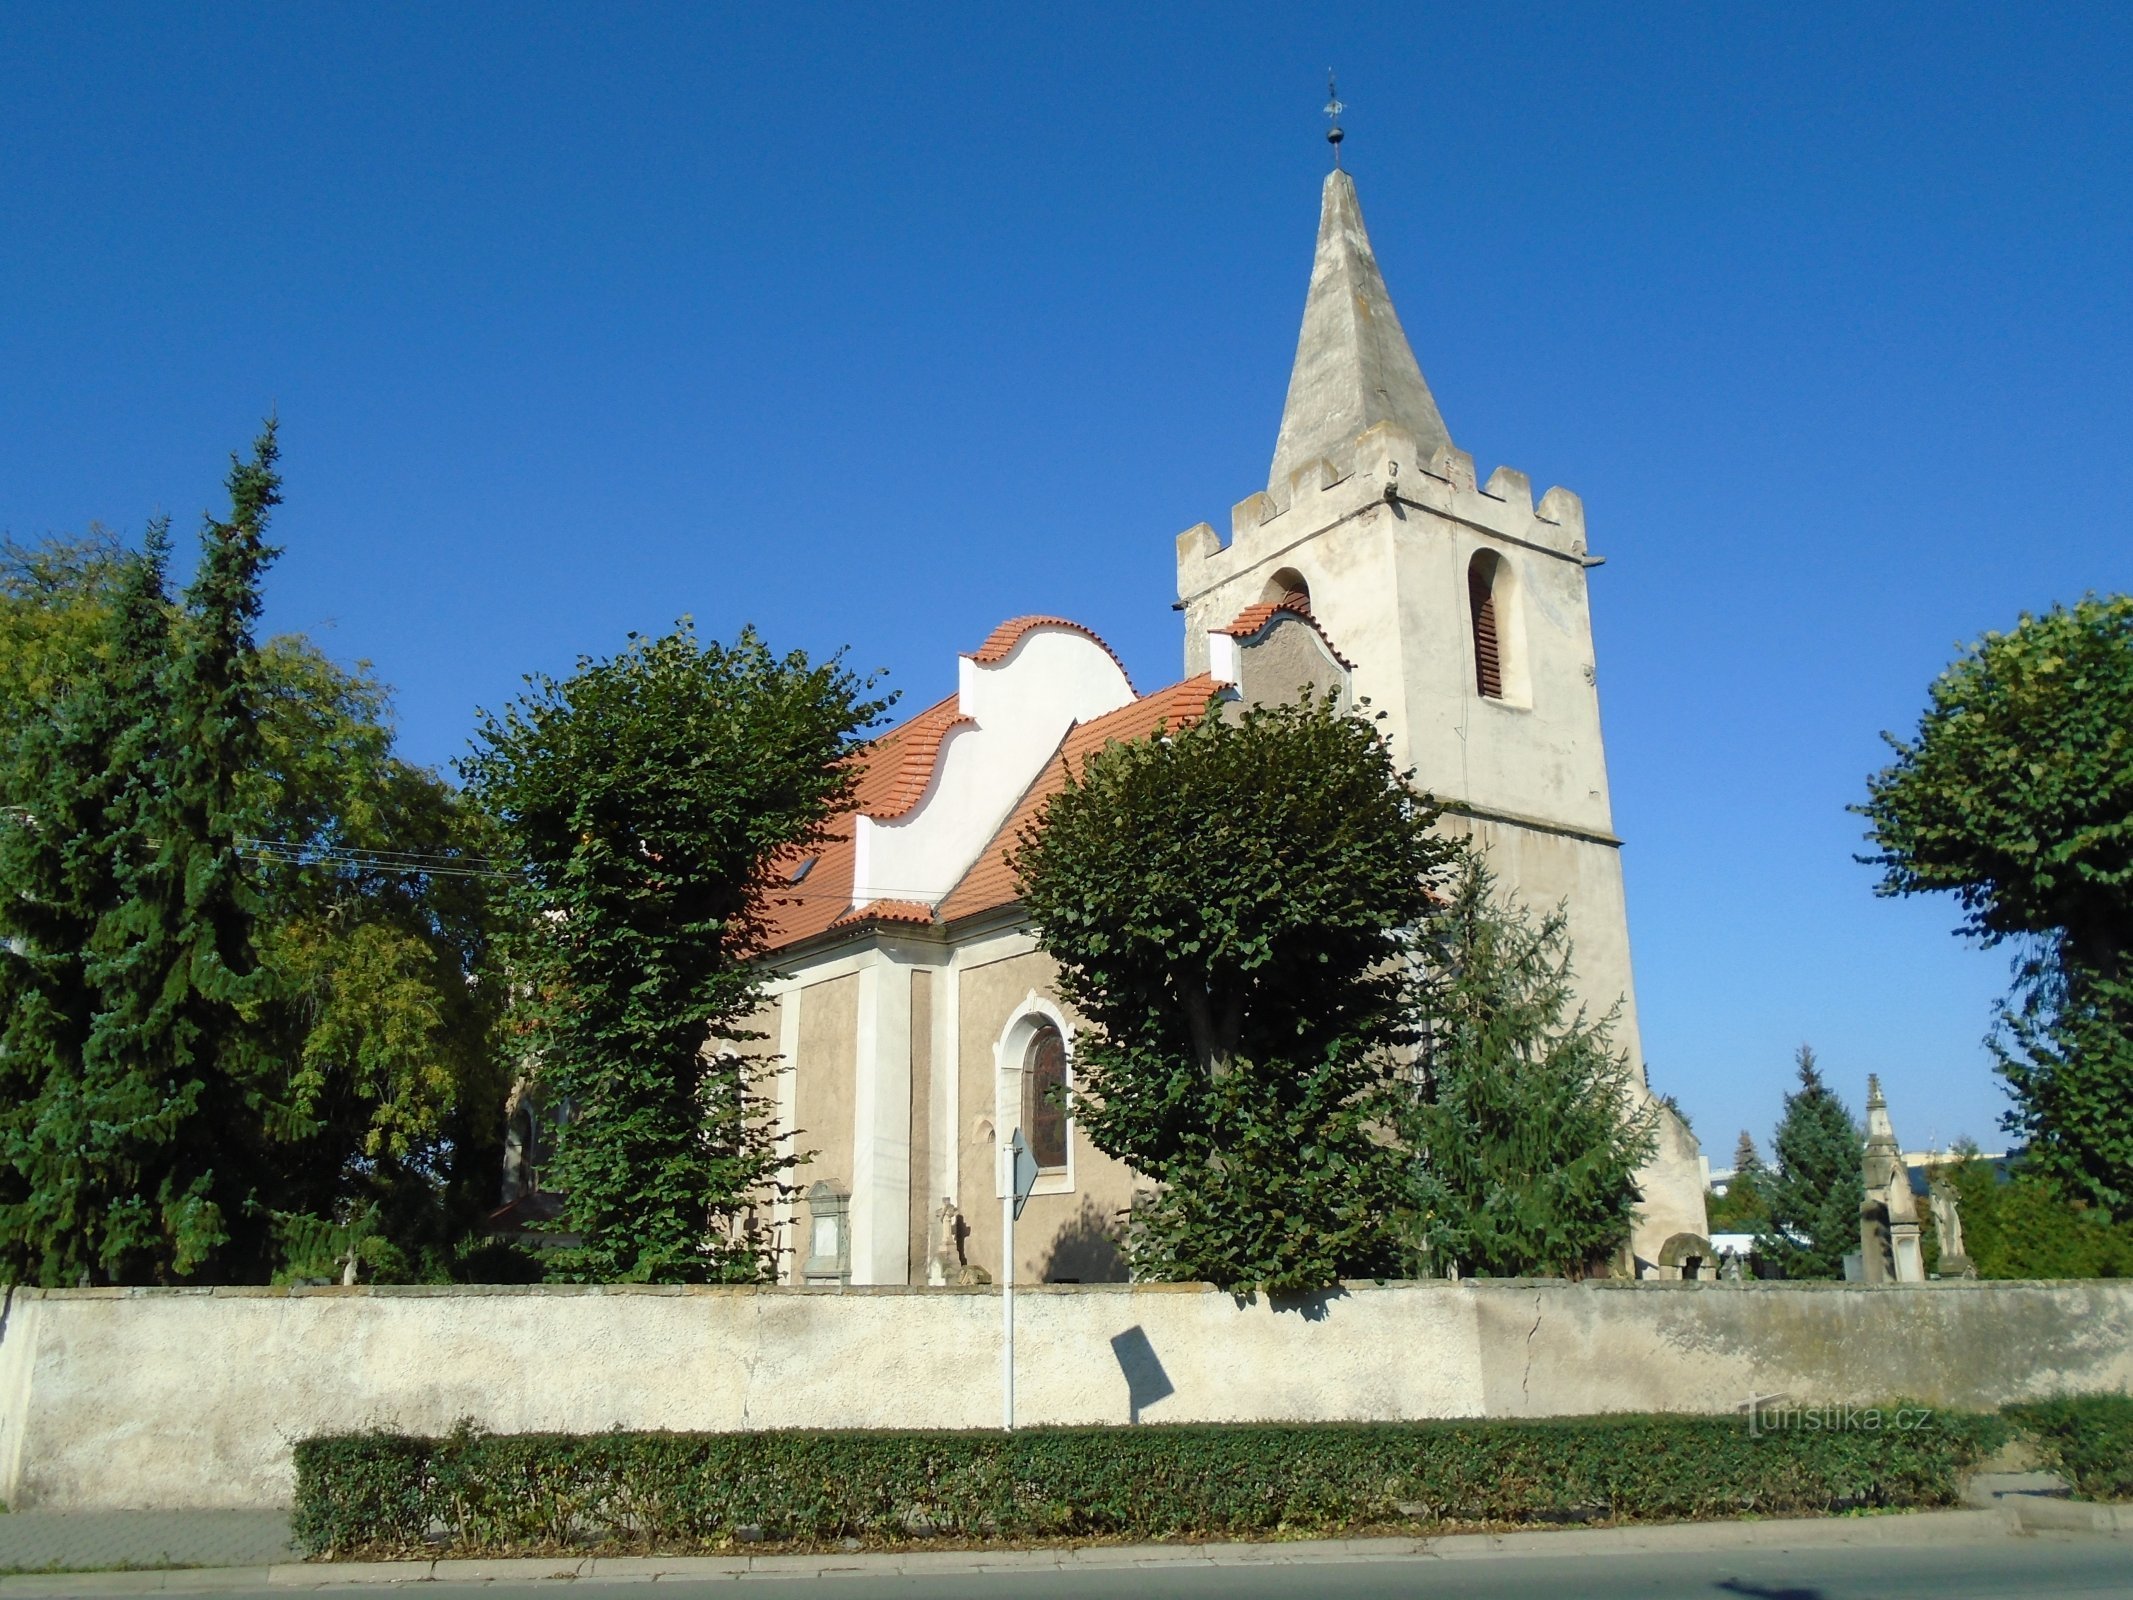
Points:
[(1334, 108)]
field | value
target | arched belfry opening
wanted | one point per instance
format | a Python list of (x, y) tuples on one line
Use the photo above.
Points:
[(1484, 580), (1287, 587)]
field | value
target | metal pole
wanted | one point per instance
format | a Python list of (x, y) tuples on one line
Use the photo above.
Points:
[(1007, 1298)]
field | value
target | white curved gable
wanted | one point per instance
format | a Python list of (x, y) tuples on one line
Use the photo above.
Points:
[(1019, 707)]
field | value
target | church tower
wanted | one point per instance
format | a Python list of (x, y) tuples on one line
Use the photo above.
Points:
[(1463, 607)]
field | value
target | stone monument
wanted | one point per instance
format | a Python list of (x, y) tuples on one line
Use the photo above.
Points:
[(1888, 1218)]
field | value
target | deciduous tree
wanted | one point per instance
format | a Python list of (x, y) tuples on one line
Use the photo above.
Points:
[(642, 799), (1233, 906), (2016, 796)]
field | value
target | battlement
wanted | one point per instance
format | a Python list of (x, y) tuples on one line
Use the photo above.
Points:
[(1382, 466)]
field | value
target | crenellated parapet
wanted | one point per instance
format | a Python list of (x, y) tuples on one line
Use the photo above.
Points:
[(1383, 471)]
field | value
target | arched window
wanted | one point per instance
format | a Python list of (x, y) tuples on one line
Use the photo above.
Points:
[(1287, 587), (1482, 574), (1044, 1076)]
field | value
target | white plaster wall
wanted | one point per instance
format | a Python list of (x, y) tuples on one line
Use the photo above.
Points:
[(193, 1399), (1021, 707)]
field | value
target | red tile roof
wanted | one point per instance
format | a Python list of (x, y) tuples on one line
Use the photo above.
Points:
[(895, 770), (899, 764), (886, 911), (1254, 619), (1003, 639), (990, 883)]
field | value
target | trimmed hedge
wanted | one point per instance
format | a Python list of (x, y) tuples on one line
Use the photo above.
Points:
[(500, 1494), (2091, 1437)]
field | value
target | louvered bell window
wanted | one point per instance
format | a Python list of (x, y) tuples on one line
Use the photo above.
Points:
[(1044, 1110), (1488, 649)]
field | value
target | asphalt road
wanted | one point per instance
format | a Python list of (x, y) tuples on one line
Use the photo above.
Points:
[(2015, 1568)]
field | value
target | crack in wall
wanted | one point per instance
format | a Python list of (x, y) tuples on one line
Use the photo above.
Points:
[(1525, 1381), (755, 1355)]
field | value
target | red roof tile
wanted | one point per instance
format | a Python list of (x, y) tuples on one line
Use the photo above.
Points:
[(1007, 635), (896, 768), (1254, 619), (990, 883), (886, 911), (899, 764)]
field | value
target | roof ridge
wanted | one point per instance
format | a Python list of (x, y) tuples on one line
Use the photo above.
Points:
[(1256, 618), (1000, 643)]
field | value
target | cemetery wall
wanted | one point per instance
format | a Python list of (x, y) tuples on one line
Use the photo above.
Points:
[(172, 1398)]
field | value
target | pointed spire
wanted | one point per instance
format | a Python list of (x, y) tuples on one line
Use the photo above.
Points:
[(1354, 367)]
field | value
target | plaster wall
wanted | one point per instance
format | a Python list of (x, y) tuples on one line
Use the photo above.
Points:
[(1388, 581), (922, 1161), (1020, 708), (1061, 1233), (1286, 660), (824, 1089), (173, 1399)]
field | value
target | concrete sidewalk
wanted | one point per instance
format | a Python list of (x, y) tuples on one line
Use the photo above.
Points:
[(247, 1551), (117, 1539)]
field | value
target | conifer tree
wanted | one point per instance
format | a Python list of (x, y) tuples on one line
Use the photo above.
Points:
[(176, 1059), (1815, 1189), (1742, 1207), (66, 866), (1525, 1133)]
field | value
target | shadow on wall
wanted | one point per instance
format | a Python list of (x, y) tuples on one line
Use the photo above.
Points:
[(1085, 1250), (1146, 1381)]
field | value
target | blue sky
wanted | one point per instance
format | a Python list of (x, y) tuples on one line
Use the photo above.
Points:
[(874, 327)]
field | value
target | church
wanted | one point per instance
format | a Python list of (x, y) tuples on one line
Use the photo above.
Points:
[(913, 1020)]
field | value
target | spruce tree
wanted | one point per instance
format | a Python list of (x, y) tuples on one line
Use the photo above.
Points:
[(176, 1060), (1815, 1189), (1742, 1207), (1524, 1128), (65, 866)]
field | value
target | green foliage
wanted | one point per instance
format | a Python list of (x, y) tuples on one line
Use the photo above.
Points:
[(1742, 1208), (2017, 793), (2017, 797), (261, 1061), (1815, 1189), (2090, 1438), (78, 837), (2026, 1227), (1525, 1132), (2066, 1052), (382, 933), (643, 798), (1232, 907), (138, 1161), (379, 1494), (179, 1037)]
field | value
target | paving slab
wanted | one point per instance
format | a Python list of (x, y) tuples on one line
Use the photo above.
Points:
[(118, 1539), (651, 1569)]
